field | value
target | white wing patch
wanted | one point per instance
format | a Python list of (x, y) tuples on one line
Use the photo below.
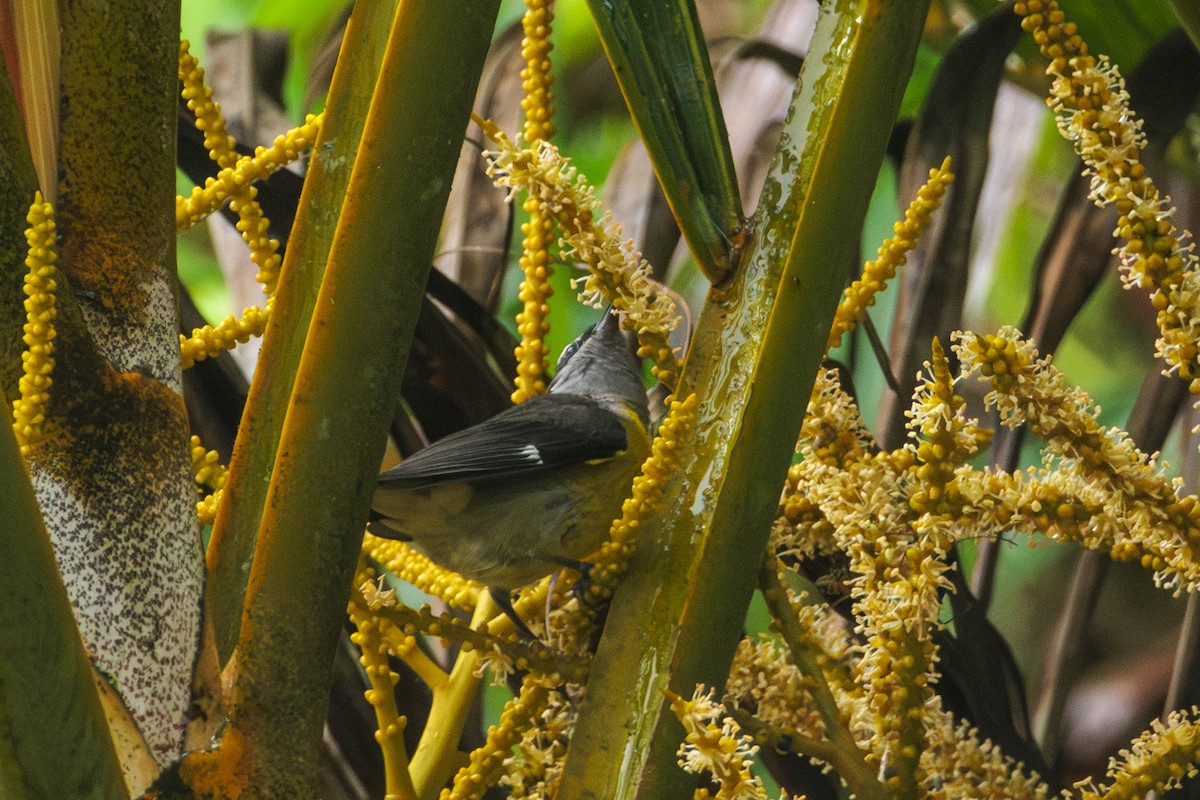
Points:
[(532, 454)]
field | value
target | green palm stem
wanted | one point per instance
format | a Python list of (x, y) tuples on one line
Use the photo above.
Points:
[(235, 529), (345, 392), (676, 620)]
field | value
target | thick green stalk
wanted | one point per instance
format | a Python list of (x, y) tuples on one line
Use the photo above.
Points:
[(346, 389), (53, 739), (676, 620), (236, 528)]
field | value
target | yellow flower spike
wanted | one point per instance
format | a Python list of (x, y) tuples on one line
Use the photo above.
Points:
[(617, 274), (1103, 492), (253, 227), (411, 567), (37, 359), (485, 763), (206, 199), (893, 253), (1088, 95), (535, 77), (210, 341), (949, 440), (209, 473), (538, 231), (613, 557), (535, 292), (382, 696), (209, 119)]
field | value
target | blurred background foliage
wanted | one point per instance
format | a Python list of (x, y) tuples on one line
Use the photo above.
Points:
[(1127, 653)]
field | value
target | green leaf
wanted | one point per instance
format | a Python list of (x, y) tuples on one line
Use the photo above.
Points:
[(53, 738), (658, 53)]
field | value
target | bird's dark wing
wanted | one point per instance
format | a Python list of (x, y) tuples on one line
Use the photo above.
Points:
[(541, 433)]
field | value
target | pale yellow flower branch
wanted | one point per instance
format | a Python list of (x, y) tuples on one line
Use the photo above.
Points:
[(617, 274)]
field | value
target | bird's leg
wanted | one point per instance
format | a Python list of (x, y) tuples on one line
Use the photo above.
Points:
[(550, 599), (503, 601)]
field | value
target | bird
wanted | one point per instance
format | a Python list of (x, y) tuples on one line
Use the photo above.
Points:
[(534, 488)]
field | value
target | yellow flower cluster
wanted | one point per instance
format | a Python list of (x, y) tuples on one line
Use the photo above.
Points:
[(1089, 96), (832, 432), (486, 762), (1096, 487), (1156, 761), (534, 769), (211, 340), (722, 752), (370, 638), (208, 341), (411, 567), (617, 274), (765, 679), (209, 473), (860, 295), (957, 764), (949, 440), (613, 558), (37, 359), (206, 199)]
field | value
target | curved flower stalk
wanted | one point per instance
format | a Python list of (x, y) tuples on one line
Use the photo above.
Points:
[(238, 189), (486, 762), (369, 636)]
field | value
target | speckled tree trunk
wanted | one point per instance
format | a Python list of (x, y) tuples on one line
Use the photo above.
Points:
[(113, 474)]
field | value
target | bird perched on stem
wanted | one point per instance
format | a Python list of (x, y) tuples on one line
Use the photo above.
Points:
[(534, 488)]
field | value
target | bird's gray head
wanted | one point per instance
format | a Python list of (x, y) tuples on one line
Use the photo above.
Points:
[(600, 363)]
